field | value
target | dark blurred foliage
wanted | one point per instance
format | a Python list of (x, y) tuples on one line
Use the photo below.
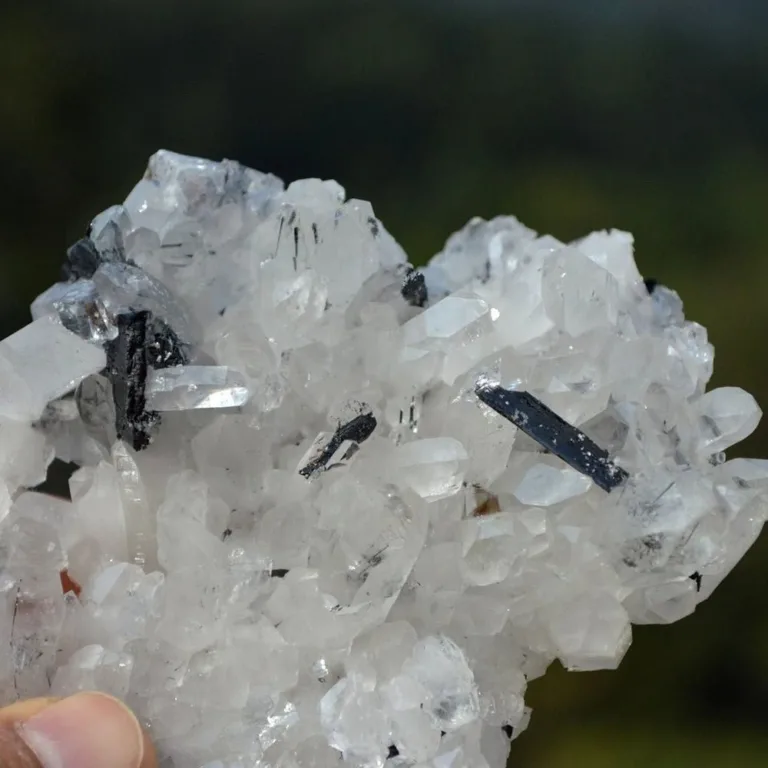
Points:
[(570, 115)]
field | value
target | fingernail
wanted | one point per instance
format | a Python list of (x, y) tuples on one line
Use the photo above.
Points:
[(89, 730)]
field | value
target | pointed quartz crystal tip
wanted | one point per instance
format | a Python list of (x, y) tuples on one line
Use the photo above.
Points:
[(125, 288), (189, 387), (727, 415), (78, 308), (433, 467), (40, 363)]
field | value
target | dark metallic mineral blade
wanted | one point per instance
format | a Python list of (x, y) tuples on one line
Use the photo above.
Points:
[(128, 369), (357, 430), (553, 433)]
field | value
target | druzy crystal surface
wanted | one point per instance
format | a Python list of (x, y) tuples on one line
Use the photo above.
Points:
[(334, 510)]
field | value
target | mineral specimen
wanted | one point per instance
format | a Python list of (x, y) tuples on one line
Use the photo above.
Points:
[(334, 510)]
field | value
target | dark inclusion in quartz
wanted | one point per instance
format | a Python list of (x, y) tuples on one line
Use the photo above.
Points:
[(696, 577), (553, 433), (414, 289), (357, 431), (83, 259), (142, 342)]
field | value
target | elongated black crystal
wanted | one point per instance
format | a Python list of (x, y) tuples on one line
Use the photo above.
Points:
[(553, 433), (357, 430), (414, 289), (127, 368)]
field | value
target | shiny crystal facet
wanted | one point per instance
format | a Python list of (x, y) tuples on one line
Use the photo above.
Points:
[(40, 363), (189, 387)]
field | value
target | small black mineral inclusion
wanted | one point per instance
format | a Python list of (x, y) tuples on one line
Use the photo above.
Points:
[(278, 573), (357, 430), (83, 259), (696, 578), (509, 731), (553, 433), (393, 752), (128, 368), (164, 348), (651, 284), (414, 289)]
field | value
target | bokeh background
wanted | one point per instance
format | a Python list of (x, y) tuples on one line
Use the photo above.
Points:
[(646, 115)]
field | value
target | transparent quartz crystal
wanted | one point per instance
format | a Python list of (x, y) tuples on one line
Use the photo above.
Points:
[(331, 508), (79, 309), (185, 388), (40, 363)]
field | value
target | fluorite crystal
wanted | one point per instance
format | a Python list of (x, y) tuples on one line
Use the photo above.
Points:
[(334, 510)]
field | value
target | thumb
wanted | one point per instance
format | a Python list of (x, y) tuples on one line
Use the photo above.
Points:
[(89, 730)]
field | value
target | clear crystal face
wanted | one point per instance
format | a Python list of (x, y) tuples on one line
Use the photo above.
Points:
[(188, 387), (333, 510)]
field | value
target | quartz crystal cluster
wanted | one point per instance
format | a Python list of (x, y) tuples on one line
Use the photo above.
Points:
[(331, 510)]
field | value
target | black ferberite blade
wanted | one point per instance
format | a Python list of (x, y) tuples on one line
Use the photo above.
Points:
[(127, 368), (143, 342), (553, 433), (357, 430)]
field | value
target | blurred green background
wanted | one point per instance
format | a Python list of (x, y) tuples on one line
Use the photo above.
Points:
[(646, 115)]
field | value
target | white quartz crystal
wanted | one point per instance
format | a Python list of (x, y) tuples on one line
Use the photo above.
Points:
[(331, 510), (40, 363), (185, 387)]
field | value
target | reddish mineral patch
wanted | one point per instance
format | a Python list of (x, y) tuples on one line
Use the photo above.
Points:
[(68, 584)]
